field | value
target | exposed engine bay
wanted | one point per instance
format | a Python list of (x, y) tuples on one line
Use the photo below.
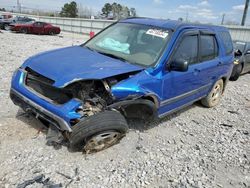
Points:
[(94, 95)]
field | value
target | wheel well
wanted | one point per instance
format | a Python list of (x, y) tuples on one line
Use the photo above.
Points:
[(243, 64), (138, 108), (224, 79), (24, 28), (152, 99), (140, 111)]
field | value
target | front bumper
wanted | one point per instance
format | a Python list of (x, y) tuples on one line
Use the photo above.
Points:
[(59, 115)]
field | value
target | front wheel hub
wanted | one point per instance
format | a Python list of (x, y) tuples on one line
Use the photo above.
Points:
[(216, 93), (102, 141)]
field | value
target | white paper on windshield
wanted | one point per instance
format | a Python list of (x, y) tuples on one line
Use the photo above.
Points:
[(157, 33), (243, 43)]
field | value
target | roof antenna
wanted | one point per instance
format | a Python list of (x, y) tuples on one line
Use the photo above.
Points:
[(72, 37), (72, 34), (187, 14)]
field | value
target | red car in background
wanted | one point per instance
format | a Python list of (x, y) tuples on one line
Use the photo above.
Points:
[(35, 28)]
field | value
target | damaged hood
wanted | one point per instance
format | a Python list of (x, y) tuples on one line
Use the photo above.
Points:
[(70, 64)]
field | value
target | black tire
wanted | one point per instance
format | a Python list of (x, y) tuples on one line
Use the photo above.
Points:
[(213, 98), (24, 30), (236, 72), (96, 125), (51, 32), (6, 27)]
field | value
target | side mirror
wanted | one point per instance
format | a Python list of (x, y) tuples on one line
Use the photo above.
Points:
[(179, 65), (238, 53)]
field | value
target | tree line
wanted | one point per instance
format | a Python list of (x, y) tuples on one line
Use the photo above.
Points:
[(109, 11), (117, 11)]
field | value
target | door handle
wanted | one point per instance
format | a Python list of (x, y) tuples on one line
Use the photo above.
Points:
[(197, 70), (219, 64)]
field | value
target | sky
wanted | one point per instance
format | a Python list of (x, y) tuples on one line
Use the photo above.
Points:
[(206, 11)]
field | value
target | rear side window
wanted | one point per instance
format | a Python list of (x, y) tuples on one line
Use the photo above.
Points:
[(227, 42), (209, 48), (187, 50)]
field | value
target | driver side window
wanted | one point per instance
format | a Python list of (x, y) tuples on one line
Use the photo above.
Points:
[(36, 24), (187, 50)]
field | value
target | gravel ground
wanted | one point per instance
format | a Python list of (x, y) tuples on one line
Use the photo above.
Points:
[(196, 147)]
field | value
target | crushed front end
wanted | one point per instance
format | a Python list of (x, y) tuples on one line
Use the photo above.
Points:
[(63, 107), (32, 100)]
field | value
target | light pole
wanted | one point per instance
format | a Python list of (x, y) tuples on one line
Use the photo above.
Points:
[(18, 5), (245, 13), (222, 20)]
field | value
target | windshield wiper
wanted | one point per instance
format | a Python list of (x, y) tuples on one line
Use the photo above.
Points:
[(112, 55), (89, 48), (108, 54)]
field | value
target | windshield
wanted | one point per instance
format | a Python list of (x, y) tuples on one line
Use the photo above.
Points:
[(134, 43), (239, 46)]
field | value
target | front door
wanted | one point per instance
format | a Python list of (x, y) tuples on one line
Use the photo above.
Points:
[(38, 28)]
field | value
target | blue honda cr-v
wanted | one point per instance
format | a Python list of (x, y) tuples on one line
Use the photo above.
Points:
[(135, 68)]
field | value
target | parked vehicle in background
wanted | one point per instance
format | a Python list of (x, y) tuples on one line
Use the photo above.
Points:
[(242, 59), (40, 28), (7, 16), (17, 19), (20, 19), (136, 68), (5, 19)]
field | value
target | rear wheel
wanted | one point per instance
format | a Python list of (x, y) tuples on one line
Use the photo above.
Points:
[(98, 132), (51, 32), (24, 30), (236, 72), (214, 96)]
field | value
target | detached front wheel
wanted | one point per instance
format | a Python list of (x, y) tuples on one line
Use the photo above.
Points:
[(98, 132)]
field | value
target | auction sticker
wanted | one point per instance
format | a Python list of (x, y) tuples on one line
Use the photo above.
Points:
[(157, 33), (242, 43)]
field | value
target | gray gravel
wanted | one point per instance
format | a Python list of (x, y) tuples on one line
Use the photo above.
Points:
[(196, 147)]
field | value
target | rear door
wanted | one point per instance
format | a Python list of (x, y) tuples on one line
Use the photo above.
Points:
[(226, 52), (210, 64)]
